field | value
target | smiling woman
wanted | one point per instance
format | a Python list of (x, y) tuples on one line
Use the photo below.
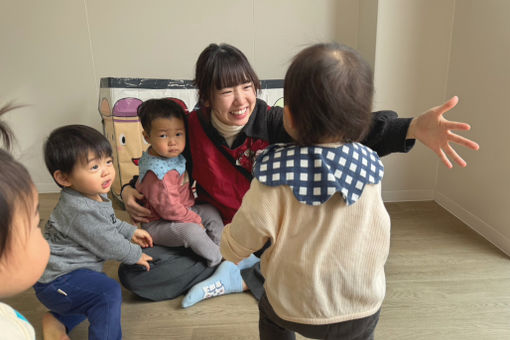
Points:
[(227, 131), (233, 105)]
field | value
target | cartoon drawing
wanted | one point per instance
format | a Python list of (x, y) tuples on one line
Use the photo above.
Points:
[(124, 132)]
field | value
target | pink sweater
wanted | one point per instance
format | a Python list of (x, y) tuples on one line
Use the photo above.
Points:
[(169, 199)]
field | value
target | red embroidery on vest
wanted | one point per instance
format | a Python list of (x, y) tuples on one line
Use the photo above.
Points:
[(245, 154)]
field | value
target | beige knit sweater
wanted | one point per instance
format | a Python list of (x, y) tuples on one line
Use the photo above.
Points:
[(326, 262)]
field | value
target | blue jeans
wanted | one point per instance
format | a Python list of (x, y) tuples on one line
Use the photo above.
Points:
[(83, 294)]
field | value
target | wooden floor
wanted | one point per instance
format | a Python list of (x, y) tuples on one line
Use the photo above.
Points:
[(443, 282)]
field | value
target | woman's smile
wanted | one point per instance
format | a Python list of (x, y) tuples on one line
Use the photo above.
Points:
[(234, 105)]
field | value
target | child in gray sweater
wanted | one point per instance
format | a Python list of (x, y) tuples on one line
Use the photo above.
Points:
[(83, 232)]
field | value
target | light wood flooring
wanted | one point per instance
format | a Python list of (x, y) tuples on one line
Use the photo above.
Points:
[(444, 281)]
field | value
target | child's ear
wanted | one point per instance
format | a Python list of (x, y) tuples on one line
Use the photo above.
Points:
[(62, 178), (145, 136), (288, 123), (287, 115)]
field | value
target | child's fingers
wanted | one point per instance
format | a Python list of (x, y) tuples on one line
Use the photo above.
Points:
[(147, 239)]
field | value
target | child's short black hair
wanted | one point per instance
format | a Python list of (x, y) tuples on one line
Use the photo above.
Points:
[(220, 66), (329, 89), (152, 109), (69, 145)]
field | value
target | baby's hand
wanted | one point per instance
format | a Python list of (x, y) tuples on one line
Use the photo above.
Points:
[(142, 238), (144, 261)]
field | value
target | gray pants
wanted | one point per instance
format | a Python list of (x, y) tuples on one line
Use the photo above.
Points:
[(204, 242), (174, 271)]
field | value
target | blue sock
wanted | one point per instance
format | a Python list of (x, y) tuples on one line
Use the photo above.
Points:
[(248, 263), (225, 280)]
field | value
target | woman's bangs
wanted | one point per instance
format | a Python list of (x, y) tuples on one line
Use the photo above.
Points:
[(231, 75)]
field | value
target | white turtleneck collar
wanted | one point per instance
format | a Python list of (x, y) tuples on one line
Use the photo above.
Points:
[(229, 132)]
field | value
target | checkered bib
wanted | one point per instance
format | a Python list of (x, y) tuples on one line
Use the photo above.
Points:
[(315, 173)]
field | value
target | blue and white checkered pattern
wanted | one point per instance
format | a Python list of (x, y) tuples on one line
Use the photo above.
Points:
[(316, 173)]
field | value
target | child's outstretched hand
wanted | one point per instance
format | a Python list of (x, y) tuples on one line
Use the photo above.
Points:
[(144, 261), (142, 238)]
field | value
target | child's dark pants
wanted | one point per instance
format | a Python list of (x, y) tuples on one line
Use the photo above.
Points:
[(272, 327)]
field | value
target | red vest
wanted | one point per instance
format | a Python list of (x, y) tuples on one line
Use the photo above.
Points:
[(220, 182)]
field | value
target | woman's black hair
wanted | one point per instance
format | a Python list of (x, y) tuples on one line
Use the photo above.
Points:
[(220, 66)]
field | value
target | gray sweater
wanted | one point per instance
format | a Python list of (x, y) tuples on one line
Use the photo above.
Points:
[(83, 233)]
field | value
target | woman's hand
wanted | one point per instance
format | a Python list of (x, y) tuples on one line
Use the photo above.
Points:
[(138, 213), (435, 131), (142, 238)]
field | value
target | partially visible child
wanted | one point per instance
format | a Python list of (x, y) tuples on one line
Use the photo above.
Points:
[(24, 252), (83, 232), (164, 182), (319, 202)]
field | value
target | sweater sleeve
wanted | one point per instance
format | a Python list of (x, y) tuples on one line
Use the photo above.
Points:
[(275, 129), (166, 199), (125, 229), (254, 223), (95, 232), (387, 133)]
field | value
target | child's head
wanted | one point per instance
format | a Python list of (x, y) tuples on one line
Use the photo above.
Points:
[(221, 66), (328, 93), (24, 252), (164, 128), (80, 157)]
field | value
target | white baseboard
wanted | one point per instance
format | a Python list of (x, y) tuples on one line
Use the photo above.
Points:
[(407, 195), (485, 230)]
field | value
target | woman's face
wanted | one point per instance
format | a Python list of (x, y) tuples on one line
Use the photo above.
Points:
[(234, 105)]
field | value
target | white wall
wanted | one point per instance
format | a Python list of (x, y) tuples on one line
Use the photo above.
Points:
[(411, 64), (426, 52), (367, 29), (46, 63), (479, 73), (54, 52)]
